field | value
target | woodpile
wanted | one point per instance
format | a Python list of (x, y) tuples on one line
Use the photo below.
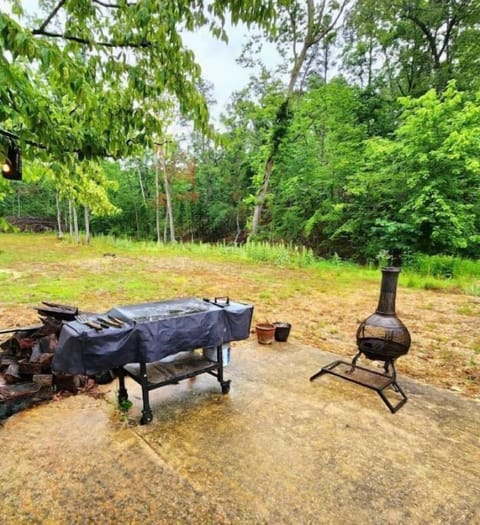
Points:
[(33, 224), (26, 376)]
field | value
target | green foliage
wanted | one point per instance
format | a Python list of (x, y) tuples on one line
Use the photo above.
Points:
[(358, 173), (438, 150), (414, 192), (84, 81), (125, 405), (423, 44), (444, 266), (278, 254), (321, 151), (6, 227)]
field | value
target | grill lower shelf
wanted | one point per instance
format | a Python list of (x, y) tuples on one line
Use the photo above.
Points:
[(360, 375), (159, 372)]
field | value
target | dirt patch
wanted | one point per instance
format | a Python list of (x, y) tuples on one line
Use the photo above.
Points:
[(324, 308)]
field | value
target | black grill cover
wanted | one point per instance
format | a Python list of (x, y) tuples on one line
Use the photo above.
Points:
[(151, 332)]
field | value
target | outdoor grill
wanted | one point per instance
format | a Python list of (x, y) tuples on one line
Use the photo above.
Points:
[(380, 337), (154, 343)]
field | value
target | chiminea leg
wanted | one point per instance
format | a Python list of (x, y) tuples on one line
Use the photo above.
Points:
[(395, 385), (354, 363)]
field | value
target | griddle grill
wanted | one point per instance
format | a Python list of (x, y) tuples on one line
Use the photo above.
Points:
[(150, 333)]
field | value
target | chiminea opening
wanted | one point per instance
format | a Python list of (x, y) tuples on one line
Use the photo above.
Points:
[(380, 337)]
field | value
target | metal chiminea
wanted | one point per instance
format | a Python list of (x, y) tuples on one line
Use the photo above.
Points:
[(380, 337)]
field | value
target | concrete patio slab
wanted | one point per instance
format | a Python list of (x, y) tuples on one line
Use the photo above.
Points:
[(277, 449)]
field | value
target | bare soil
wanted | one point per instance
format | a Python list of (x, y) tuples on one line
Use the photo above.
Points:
[(323, 308)]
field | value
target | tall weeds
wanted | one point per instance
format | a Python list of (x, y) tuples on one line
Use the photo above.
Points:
[(437, 272)]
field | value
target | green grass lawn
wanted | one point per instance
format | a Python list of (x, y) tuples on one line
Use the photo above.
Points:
[(323, 300)]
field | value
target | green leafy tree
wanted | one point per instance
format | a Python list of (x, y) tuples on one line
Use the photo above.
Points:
[(419, 192), (224, 170), (301, 31), (85, 80), (85, 76), (323, 149), (414, 45)]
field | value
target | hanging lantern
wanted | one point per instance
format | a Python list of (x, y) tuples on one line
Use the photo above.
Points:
[(10, 157)]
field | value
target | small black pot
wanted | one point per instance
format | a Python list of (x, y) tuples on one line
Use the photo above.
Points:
[(282, 331)]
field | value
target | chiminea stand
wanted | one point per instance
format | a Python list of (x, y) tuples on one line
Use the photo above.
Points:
[(368, 378)]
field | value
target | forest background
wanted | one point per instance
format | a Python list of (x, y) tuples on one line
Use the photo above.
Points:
[(364, 144)]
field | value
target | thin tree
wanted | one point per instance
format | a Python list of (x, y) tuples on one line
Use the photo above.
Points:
[(86, 216), (166, 187), (320, 20), (59, 215)]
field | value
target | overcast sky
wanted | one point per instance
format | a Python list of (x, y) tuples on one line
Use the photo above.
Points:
[(218, 61)]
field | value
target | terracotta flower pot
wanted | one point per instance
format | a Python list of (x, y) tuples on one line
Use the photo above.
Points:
[(265, 333)]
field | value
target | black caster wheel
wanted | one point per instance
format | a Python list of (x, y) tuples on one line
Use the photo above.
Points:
[(146, 418), (226, 387), (122, 398)]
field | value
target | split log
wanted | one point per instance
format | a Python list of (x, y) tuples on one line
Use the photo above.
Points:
[(44, 380), (28, 368), (48, 343), (46, 361), (19, 345), (12, 374), (5, 362), (66, 382)]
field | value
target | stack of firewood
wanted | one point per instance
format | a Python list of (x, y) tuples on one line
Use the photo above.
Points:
[(27, 355), (26, 375)]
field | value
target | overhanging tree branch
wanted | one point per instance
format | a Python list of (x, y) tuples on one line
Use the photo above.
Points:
[(113, 6), (428, 35), (136, 45), (446, 41), (51, 15)]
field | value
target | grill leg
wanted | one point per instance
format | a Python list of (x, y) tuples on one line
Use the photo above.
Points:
[(350, 376), (393, 408), (395, 385), (147, 414), (122, 391), (224, 384)]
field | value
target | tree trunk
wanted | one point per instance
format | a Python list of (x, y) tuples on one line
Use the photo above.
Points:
[(134, 201), (142, 190), (262, 195), (59, 216), (75, 225), (168, 197), (165, 227), (317, 28), (239, 230), (157, 197), (87, 224), (70, 218)]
